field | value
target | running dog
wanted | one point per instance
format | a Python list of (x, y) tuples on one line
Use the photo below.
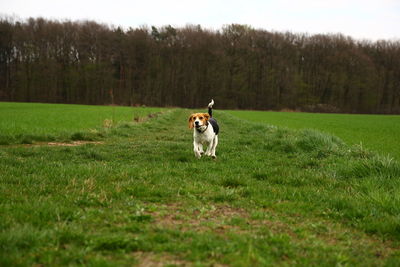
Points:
[(205, 132)]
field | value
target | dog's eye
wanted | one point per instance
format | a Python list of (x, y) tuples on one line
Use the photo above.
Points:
[(200, 118)]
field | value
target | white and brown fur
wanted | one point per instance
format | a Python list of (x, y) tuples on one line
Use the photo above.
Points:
[(205, 132)]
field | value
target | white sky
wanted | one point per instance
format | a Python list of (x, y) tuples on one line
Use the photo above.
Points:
[(361, 19)]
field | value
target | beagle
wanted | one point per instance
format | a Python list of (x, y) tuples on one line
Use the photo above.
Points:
[(205, 132)]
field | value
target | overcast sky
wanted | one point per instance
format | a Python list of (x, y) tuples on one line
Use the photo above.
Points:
[(361, 19)]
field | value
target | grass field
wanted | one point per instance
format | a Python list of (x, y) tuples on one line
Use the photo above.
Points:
[(27, 123), (273, 197), (376, 132)]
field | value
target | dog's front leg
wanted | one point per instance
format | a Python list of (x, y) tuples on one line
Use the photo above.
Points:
[(201, 149), (196, 149)]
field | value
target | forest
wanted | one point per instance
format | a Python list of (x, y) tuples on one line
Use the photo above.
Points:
[(85, 62)]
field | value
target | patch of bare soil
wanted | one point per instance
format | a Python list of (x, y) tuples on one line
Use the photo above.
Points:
[(149, 116), (208, 218), (67, 144), (74, 143), (147, 259)]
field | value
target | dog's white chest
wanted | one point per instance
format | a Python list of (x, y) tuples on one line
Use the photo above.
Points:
[(204, 137)]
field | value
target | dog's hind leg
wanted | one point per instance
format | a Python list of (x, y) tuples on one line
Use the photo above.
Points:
[(214, 146)]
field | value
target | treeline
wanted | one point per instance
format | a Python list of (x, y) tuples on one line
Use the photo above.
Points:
[(240, 67)]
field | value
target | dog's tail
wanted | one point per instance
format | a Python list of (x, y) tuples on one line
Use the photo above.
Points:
[(210, 105)]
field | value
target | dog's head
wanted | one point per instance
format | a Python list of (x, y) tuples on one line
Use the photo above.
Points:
[(198, 120)]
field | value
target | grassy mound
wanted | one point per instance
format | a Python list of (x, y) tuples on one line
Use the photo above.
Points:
[(376, 132)]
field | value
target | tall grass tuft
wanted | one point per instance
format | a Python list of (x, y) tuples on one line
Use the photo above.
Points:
[(323, 144), (376, 166)]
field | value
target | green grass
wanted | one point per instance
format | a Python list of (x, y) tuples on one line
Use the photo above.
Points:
[(273, 196), (27, 123), (375, 132)]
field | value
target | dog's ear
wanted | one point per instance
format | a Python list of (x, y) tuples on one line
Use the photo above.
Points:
[(191, 121), (206, 116)]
